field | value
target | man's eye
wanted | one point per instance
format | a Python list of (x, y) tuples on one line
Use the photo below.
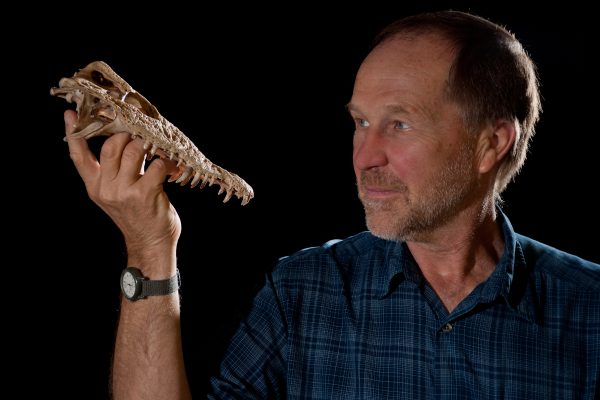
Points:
[(401, 125), (362, 123)]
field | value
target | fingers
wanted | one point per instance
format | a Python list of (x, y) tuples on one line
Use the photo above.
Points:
[(111, 155), (120, 158), (85, 161), (158, 170)]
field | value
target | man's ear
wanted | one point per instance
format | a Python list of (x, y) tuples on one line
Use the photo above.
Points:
[(494, 143)]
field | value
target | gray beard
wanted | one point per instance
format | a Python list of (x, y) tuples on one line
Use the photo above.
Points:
[(410, 218)]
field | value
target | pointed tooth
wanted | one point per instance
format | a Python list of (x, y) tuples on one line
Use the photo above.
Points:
[(221, 189), (204, 182), (147, 145), (211, 180), (171, 155), (185, 175), (228, 196), (175, 176), (153, 149), (245, 200), (196, 179), (180, 162), (187, 180)]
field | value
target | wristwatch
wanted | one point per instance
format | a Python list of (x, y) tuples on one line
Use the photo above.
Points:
[(135, 286)]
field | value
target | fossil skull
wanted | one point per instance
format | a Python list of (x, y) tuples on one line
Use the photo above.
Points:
[(106, 104)]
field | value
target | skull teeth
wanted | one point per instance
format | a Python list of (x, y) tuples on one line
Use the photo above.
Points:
[(186, 173), (196, 179)]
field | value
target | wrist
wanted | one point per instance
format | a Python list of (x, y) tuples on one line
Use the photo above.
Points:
[(155, 263)]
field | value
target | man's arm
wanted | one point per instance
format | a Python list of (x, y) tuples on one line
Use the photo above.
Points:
[(148, 360)]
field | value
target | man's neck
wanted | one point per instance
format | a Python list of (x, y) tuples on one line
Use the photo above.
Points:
[(460, 255)]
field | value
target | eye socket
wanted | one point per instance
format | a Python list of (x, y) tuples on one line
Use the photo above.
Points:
[(138, 101), (100, 80)]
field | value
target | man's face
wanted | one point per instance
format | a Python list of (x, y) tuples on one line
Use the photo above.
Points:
[(412, 157)]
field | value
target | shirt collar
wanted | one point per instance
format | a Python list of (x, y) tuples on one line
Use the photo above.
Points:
[(396, 266), (510, 280), (518, 290)]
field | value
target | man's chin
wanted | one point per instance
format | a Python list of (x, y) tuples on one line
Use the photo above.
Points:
[(383, 225)]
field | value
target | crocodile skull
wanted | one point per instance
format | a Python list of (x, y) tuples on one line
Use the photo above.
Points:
[(106, 104)]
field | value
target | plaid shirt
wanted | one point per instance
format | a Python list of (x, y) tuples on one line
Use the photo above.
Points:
[(355, 319)]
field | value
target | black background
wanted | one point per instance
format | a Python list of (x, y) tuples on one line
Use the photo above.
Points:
[(261, 91)]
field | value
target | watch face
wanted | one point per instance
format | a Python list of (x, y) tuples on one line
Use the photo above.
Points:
[(128, 284)]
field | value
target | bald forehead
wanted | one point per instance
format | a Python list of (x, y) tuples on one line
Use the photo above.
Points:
[(411, 72), (425, 54)]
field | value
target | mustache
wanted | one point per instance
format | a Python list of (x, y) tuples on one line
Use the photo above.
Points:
[(381, 179)]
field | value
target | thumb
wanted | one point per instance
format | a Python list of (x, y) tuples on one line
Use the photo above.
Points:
[(85, 161), (70, 121)]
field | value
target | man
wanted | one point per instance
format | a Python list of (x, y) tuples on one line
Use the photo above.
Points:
[(441, 299)]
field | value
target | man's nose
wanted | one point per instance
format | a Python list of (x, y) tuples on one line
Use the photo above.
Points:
[(369, 149)]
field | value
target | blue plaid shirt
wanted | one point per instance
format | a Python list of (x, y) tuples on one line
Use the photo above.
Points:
[(355, 319)]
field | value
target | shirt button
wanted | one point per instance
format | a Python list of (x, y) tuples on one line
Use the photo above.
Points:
[(447, 328)]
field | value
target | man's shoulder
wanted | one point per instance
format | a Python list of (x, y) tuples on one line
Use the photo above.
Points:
[(338, 253), (560, 264)]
